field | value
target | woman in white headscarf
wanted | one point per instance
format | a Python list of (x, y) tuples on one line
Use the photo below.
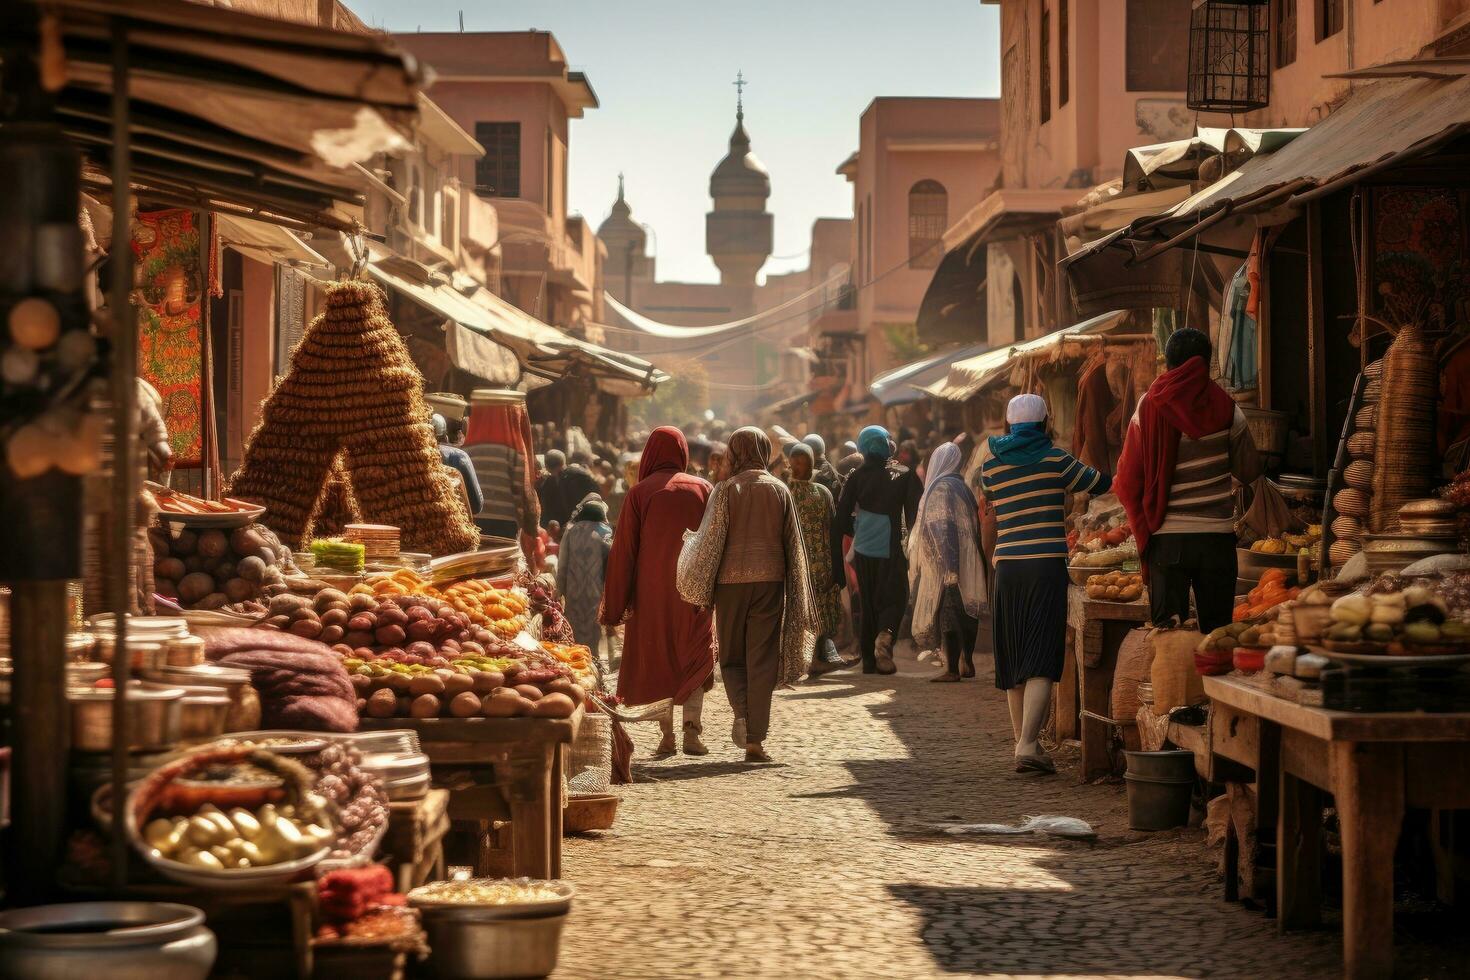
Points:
[(946, 574)]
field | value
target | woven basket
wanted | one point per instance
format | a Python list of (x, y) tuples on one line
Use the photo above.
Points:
[(1365, 418), (1345, 527), (1341, 551), (1404, 459), (1360, 445), (1359, 474), (1268, 429), (1353, 503), (1374, 370)]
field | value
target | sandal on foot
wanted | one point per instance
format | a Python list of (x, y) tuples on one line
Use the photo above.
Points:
[(945, 678), (756, 754), (1039, 763)]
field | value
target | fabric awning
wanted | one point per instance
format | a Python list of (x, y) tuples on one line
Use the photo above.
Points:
[(1381, 124), (902, 385), (967, 378), (528, 344), (799, 400), (230, 112), (954, 300), (266, 242)]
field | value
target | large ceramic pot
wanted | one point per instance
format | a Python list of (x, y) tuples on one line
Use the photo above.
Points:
[(118, 940)]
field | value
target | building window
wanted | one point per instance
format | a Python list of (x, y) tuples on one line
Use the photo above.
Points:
[(1329, 18), (498, 172), (928, 218), (1285, 32), (1043, 64), (1157, 44), (1064, 54)]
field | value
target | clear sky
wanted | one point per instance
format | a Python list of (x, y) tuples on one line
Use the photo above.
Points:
[(663, 69)]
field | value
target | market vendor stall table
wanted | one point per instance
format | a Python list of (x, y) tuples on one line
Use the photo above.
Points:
[(413, 846), (507, 768), (1098, 628), (1375, 766)]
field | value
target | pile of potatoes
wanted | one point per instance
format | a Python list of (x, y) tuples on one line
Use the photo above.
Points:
[(212, 569), (1115, 587)]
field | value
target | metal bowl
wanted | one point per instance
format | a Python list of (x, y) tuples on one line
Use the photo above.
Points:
[(470, 949), (159, 940), (153, 718)]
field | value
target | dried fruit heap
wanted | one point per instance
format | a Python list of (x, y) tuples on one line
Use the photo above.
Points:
[(353, 394)]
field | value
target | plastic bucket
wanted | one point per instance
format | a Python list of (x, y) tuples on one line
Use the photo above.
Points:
[(1160, 786)]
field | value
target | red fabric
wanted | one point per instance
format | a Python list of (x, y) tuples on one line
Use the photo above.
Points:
[(668, 645), (666, 449), (1185, 401)]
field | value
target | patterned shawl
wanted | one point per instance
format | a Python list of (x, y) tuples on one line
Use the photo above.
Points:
[(699, 567)]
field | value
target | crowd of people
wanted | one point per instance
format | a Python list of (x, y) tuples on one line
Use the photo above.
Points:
[(698, 547)]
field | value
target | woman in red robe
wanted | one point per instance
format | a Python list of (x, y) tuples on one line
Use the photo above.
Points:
[(668, 645)]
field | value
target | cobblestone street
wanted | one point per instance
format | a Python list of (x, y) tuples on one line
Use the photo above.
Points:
[(826, 864)]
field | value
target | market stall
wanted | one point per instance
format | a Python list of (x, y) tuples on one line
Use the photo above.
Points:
[(182, 707)]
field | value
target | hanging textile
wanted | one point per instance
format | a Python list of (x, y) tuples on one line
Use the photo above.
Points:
[(170, 329), (1239, 364), (1095, 403), (1163, 326)]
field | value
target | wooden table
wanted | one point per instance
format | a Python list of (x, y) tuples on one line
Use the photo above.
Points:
[(1097, 628), (501, 769), (1374, 765), (413, 846)]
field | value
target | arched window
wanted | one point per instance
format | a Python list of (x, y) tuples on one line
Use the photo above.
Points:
[(928, 219)]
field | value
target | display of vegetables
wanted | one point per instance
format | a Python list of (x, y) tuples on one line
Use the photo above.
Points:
[(361, 806), (1273, 589), (215, 569), (353, 399), (1107, 557), (339, 555), (214, 840), (501, 611), (466, 688), (1115, 587)]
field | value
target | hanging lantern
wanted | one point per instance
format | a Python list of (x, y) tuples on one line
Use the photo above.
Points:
[(1229, 55)]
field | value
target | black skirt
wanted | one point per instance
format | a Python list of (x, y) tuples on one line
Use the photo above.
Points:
[(1030, 604)]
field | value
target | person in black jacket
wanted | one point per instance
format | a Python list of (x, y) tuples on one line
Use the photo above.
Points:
[(879, 501)]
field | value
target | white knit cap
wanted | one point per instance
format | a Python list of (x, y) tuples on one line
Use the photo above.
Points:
[(1026, 408)]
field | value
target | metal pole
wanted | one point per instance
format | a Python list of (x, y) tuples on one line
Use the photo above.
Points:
[(124, 442)]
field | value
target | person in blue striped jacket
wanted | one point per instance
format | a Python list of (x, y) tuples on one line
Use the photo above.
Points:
[(1027, 479)]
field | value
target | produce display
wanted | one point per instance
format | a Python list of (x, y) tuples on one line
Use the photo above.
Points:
[(1115, 587), (1107, 557), (357, 798), (217, 569), (1290, 544), (339, 555), (1412, 621), (484, 891), (179, 504), (213, 840), (1273, 589), (353, 394), (469, 687), (501, 611), (408, 628)]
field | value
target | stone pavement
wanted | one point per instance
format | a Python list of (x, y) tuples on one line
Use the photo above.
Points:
[(827, 864)]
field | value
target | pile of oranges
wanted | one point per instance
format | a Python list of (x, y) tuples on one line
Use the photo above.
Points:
[(1271, 592)]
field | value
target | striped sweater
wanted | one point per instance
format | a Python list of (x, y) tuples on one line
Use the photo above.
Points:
[(1030, 501), (1200, 495)]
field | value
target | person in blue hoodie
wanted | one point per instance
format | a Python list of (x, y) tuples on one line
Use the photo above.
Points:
[(878, 504)]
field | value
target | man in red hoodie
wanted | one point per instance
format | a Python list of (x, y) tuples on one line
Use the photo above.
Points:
[(1185, 444)]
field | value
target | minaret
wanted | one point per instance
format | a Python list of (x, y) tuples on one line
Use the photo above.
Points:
[(627, 250), (737, 233)]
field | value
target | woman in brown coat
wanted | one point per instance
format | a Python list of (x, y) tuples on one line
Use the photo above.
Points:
[(762, 598)]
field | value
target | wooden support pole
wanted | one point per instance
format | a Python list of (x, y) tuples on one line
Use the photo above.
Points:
[(124, 442)]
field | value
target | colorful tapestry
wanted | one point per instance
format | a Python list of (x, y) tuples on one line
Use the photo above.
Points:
[(1419, 255), (170, 331)]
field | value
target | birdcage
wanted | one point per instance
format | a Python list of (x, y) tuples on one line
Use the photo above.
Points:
[(1229, 55)]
